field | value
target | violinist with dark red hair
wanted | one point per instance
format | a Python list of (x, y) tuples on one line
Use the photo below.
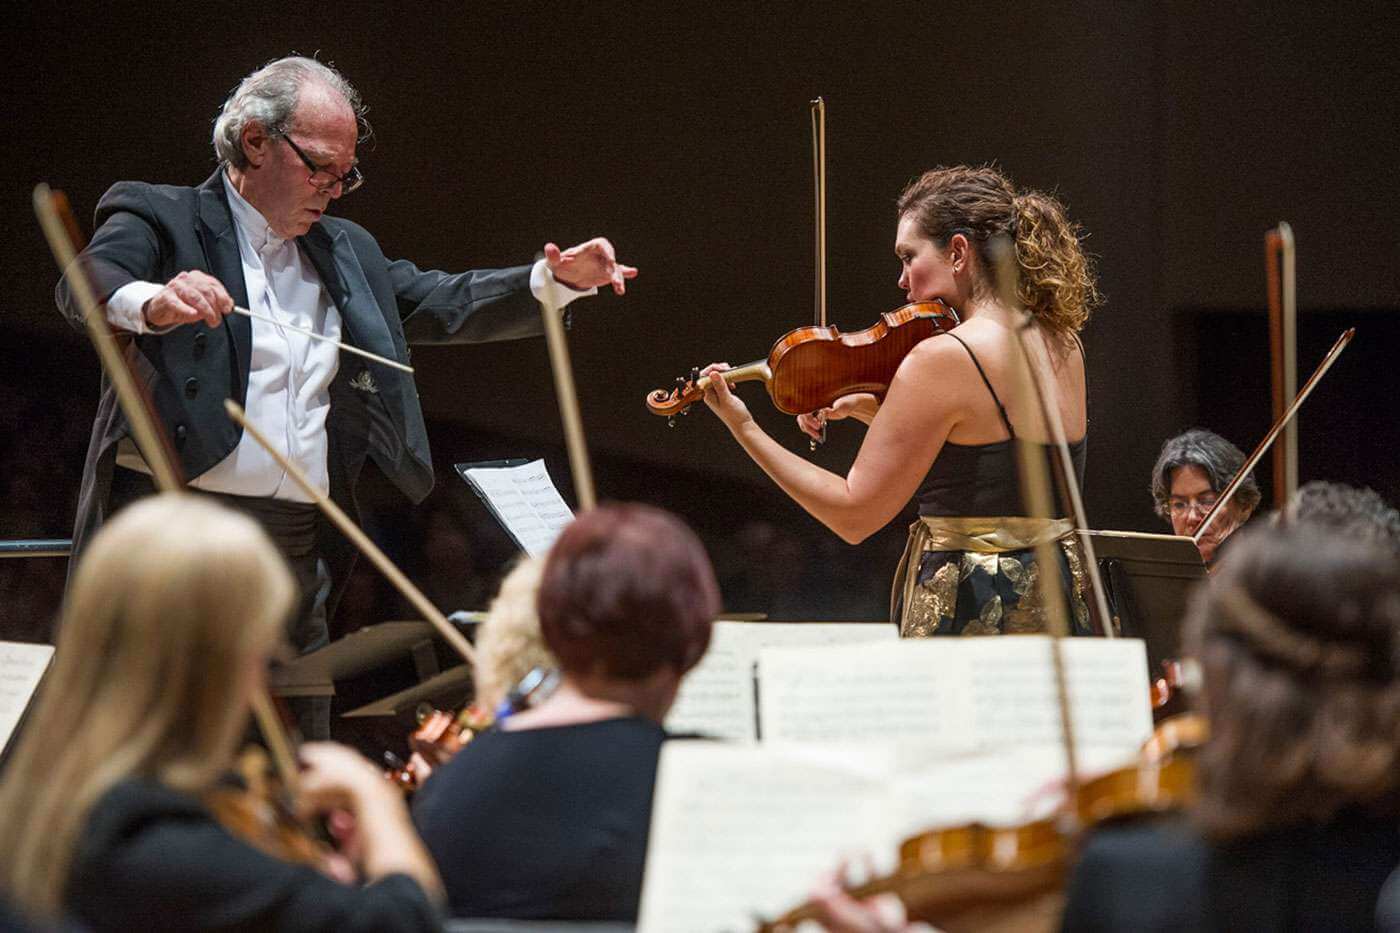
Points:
[(546, 817)]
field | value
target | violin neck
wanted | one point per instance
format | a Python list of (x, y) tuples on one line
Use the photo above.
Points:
[(757, 371), (885, 884)]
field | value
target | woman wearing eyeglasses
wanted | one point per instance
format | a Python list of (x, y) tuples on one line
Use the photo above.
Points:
[(1191, 472)]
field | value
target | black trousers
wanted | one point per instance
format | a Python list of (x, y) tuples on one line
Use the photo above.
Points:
[(293, 527)]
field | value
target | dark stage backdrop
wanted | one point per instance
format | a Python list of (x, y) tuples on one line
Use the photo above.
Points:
[(1176, 133)]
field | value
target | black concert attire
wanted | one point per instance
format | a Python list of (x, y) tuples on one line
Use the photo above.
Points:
[(149, 233), (969, 567), (1163, 876), (544, 823), (153, 858)]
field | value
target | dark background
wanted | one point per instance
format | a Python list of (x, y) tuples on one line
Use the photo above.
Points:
[(1176, 133)]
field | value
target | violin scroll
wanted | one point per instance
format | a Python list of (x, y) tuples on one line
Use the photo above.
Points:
[(678, 400)]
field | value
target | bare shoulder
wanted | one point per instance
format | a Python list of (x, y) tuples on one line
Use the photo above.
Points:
[(932, 357), (937, 368)]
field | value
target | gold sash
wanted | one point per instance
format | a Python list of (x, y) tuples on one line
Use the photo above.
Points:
[(993, 535)]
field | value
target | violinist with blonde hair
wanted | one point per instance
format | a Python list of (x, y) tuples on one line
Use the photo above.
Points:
[(944, 432), (171, 618)]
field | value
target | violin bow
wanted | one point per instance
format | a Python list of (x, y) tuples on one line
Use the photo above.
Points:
[(1069, 488), (60, 229), (567, 393), (1280, 268), (1274, 431), (1035, 488), (818, 115)]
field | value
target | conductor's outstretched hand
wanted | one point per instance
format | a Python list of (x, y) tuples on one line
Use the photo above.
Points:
[(589, 265)]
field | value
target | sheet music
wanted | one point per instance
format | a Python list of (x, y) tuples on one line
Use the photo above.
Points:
[(742, 829), (956, 694), (523, 499), (1000, 788), (717, 697), (739, 831), (22, 665)]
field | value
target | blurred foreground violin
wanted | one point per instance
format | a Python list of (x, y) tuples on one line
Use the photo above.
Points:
[(954, 877), (258, 809), (811, 367)]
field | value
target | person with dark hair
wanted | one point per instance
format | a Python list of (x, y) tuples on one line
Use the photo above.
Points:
[(1191, 472), (170, 263), (547, 816), (1359, 514), (944, 432), (1297, 822)]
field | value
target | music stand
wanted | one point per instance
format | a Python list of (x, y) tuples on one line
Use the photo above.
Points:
[(1148, 578), (362, 651)]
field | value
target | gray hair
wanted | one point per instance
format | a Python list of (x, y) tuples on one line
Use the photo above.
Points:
[(1360, 514), (1220, 460), (269, 97)]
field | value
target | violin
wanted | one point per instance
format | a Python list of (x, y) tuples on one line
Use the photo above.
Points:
[(259, 811), (1178, 674), (946, 876), (811, 367), (439, 736)]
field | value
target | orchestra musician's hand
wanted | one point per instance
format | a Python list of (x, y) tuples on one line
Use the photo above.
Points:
[(381, 836), (861, 406), (838, 912), (722, 401), (589, 265), (188, 298)]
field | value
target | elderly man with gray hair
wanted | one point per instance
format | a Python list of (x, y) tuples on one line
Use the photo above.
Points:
[(1191, 472), (170, 263)]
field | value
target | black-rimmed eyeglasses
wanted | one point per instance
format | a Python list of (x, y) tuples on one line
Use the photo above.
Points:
[(323, 179)]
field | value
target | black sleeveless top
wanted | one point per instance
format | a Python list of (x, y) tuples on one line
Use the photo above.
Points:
[(981, 480)]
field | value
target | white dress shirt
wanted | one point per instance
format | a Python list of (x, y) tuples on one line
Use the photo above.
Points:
[(290, 374)]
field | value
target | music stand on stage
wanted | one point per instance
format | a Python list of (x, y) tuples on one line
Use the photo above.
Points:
[(1148, 578), (368, 649)]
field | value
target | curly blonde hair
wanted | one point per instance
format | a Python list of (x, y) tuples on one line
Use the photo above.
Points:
[(509, 644), (1055, 278)]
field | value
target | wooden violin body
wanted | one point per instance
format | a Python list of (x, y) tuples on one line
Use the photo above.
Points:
[(259, 811), (440, 735), (959, 877), (811, 367)]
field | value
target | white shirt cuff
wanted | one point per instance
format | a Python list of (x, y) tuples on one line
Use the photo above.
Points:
[(124, 307), (541, 279)]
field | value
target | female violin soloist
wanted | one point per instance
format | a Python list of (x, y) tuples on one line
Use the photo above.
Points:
[(943, 433)]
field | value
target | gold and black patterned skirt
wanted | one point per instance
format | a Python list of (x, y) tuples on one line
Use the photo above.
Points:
[(980, 576)]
